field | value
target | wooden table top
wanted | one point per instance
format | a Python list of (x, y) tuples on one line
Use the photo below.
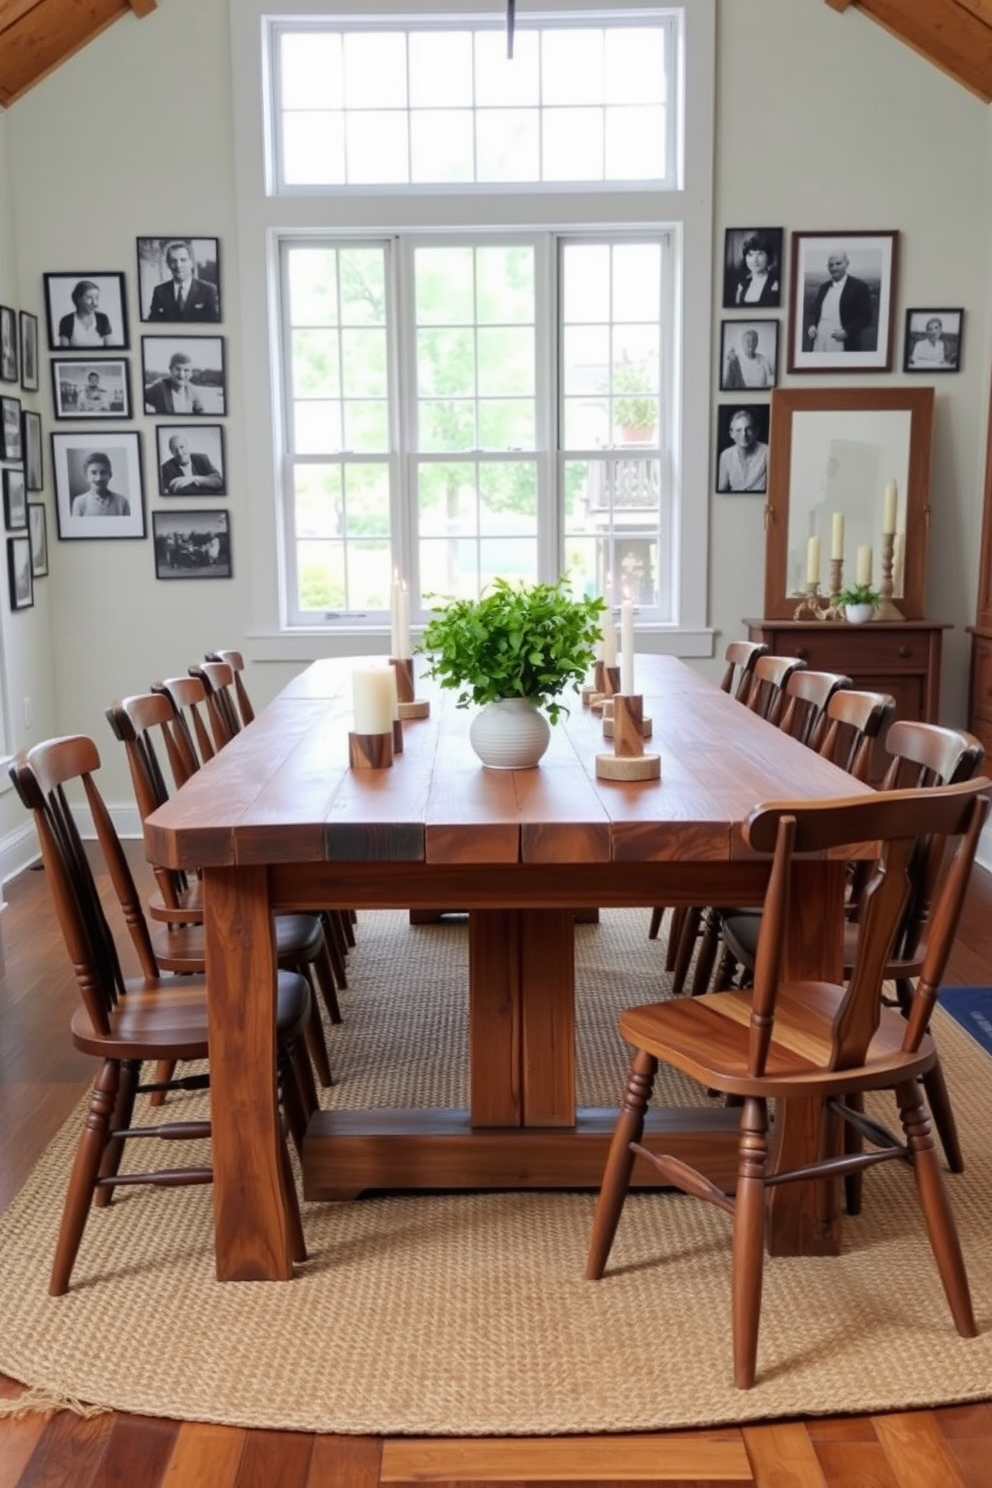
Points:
[(282, 790)]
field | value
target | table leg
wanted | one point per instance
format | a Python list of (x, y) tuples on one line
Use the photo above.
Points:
[(252, 1239)]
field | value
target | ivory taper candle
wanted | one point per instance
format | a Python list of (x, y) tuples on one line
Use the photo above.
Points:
[(813, 560), (862, 574), (837, 536)]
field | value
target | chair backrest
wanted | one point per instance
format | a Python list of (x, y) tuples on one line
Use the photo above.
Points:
[(805, 698), (740, 657), (236, 662), (40, 775), (929, 754), (188, 696), (137, 721), (768, 678), (852, 720), (894, 822), (218, 682)]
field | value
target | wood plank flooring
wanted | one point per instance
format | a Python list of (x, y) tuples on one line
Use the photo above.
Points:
[(41, 1079)]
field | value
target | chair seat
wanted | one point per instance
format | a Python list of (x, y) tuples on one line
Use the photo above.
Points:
[(708, 1037), (188, 908)]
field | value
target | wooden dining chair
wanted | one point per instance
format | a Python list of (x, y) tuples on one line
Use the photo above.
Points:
[(924, 756), (769, 675), (221, 700), (236, 662), (137, 722), (188, 696), (124, 1022), (853, 720), (813, 1040), (806, 695)]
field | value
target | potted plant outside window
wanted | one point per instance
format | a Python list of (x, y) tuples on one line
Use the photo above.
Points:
[(635, 411), (512, 653), (859, 602)]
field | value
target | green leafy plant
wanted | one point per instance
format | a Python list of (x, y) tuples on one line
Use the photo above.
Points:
[(859, 594), (629, 410), (518, 640)]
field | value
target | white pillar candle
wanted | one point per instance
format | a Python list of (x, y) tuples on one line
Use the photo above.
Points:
[(837, 536), (372, 700), (813, 560), (403, 623), (863, 571), (890, 503), (394, 693), (627, 647)]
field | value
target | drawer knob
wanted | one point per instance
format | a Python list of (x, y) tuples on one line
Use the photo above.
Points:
[(904, 651), (802, 653)]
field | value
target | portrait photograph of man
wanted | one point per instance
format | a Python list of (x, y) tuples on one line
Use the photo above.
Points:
[(841, 311), (179, 280)]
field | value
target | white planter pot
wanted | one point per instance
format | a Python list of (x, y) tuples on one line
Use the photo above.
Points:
[(859, 614), (510, 734)]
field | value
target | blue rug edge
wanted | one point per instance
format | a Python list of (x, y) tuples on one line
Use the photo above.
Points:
[(971, 1008)]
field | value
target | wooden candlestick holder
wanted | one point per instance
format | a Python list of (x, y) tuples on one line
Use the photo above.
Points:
[(813, 605), (397, 736), (886, 610), (370, 751), (611, 686), (628, 760), (647, 728), (410, 706)]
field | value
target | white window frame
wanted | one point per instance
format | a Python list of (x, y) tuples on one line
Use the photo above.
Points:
[(263, 218)]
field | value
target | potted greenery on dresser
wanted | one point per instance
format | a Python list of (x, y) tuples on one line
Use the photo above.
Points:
[(512, 653), (859, 602)]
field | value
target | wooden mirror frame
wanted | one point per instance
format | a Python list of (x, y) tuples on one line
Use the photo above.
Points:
[(780, 603)]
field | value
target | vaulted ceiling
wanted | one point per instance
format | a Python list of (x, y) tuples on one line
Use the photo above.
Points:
[(36, 35)]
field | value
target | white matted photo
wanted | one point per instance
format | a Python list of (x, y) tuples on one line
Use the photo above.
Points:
[(33, 464), (83, 388), (748, 354), (15, 500), (98, 488), (191, 460), (179, 280), (842, 293), (183, 375), (19, 574), (86, 310), (933, 341), (38, 533), (193, 544)]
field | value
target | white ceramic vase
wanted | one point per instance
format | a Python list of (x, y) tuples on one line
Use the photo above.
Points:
[(510, 734), (859, 614)]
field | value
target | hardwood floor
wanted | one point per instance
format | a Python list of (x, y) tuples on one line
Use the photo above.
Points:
[(41, 1079)]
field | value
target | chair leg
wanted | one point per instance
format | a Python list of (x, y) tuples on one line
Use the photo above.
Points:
[(675, 924), (620, 1161), (706, 956), (657, 915), (82, 1180), (164, 1070), (297, 1240), (939, 1100), (325, 969), (130, 1074), (936, 1206), (316, 1042), (749, 1239), (684, 947), (337, 945)]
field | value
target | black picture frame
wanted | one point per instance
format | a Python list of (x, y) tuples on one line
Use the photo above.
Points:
[(34, 465), (207, 475), (8, 344), (759, 413), (72, 455), (61, 294), (744, 373), (38, 534), (11, 442), (194, 543), (738, 242), (870, 260), (929, 353), (29, 351), (156, 280), (84, 388), (15, 501), (19, 576), (207, 382)]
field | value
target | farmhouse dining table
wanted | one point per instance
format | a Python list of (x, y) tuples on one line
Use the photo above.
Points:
[(279, 821)]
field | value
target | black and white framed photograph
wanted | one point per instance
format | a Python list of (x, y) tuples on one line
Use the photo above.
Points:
[(742, 447), (38, 533), (752, 267), (98, 487), (15, 500), (86, 310), (843, 291), (19, 574), (194, 544), (29, 351), (179, 280), (8, 344), (11, 443), (33, 463), (748, 354), (933, 341), (183, 375), (84, 388), (191, 460)]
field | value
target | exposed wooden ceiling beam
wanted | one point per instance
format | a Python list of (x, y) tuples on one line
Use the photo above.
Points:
[(981, 9), (142, 8), (946, 32)]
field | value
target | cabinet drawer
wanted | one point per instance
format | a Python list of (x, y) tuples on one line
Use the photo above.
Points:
[(855, 650), (981, 677)]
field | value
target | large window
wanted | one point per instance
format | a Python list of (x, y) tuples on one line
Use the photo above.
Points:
[(464, 410)]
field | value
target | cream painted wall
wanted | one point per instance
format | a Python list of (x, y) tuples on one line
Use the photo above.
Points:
[(823, 121)]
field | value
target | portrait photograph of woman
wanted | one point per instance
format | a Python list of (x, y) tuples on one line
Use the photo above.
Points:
[(752, 272), (85, 310)]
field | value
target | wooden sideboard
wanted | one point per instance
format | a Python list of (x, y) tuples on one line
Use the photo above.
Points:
[(900, 657)]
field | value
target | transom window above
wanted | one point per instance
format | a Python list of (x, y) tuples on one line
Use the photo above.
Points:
[(371, 103)]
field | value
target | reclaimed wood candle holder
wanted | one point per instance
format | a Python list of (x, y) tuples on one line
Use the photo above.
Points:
[(410, 706), (611, 686), (371, 751), (397, 736), (628, 760)]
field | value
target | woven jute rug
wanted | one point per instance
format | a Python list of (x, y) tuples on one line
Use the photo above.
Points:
[(468, 1314)]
